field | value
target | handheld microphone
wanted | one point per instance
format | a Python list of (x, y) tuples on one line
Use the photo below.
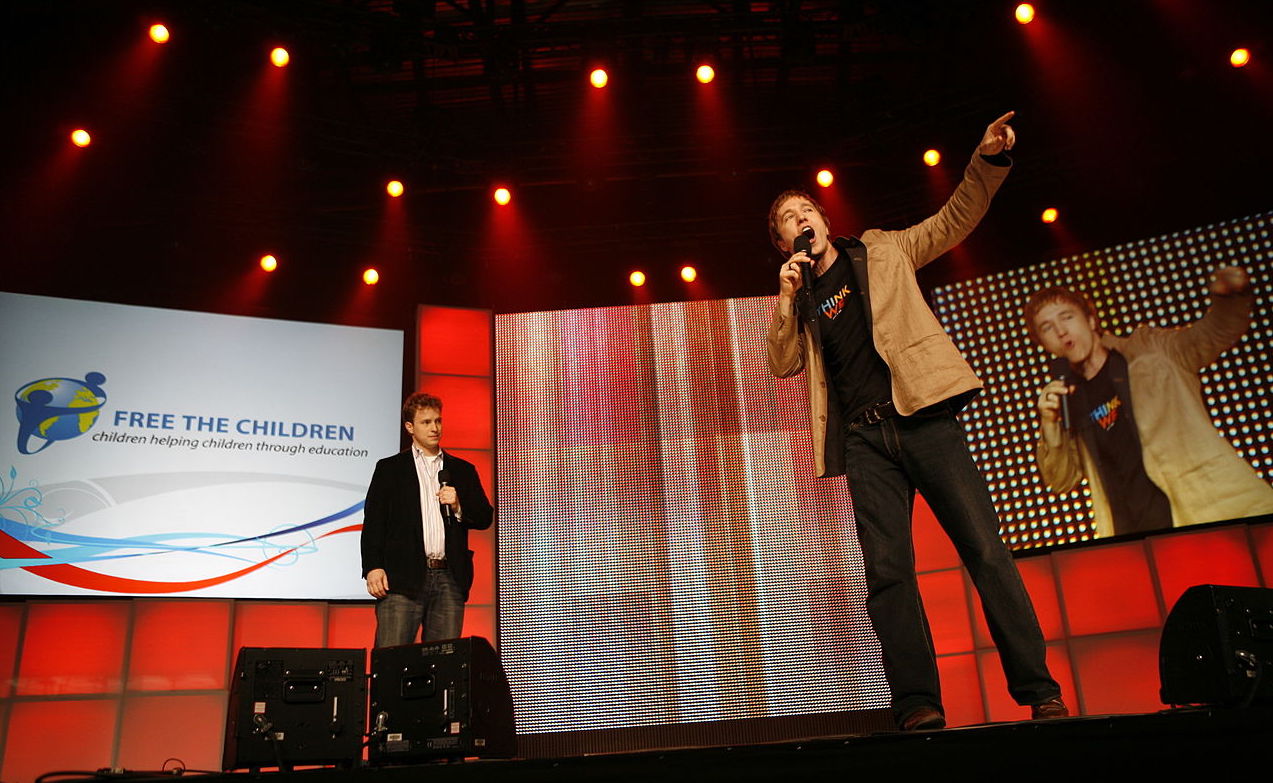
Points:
[(804, 242), (1062, 372), (444, 480)]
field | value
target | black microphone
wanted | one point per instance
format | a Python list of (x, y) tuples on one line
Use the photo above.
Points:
[(804, 242), (1062, 372), (444, 480)]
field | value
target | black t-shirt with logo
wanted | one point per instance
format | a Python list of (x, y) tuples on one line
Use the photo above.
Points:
[(1102, 415), (858, 377)]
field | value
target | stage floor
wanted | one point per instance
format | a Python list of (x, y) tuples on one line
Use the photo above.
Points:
[(1218, 744)]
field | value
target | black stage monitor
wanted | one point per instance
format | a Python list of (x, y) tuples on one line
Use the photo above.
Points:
[(293, 706), (1217, 647), (447, 699)]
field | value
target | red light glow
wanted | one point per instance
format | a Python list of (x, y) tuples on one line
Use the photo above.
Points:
[(689, 274), (637, 278), (932, 157), (80, 138), (394, 188), (599, 78), (705, 74), (502, 196), (1025, 13), (279, 57), (1050, 215), (1240, 57), (370, 276), (825, 178), (159, 34), (269, 263)]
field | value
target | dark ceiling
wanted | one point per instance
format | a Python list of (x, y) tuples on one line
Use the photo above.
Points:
[(1131, 121)]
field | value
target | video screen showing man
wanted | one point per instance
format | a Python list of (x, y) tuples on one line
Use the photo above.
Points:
[(1126, 413), (885, 385), (420, 506)]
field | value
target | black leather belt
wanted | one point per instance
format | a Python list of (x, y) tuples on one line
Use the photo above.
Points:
[(874, 414), (435, 563)]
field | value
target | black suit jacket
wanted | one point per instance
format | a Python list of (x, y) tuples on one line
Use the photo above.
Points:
[(392, 533)]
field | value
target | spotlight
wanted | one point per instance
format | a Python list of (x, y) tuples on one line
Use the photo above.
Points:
[(705, 74), (80, 138), (689, 274), (159, 34), (269, 263), (825, 178), (1025, 13), (637, 278), (502, 196), (1240, 57), (394, 188), (370, 276), (1050, 215), (280, 57), (599, 78), (932, 157)]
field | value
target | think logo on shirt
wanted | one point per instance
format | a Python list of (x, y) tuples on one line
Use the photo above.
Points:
[(1106, 414), (832, 305)]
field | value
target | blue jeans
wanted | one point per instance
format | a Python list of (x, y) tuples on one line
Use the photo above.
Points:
[(885, 464), (439, 609)]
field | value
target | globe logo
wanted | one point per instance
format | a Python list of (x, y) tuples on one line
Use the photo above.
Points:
[(56, 409)]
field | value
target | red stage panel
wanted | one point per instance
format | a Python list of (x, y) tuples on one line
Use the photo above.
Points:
[(1001, 707), (179, 645), (961, 690), (483, 461), (189, 727), (479, 621), (946, 602), (1263, 538), (482, 542), (352, 625), (933, 550), (454, 341), (1218, 557), (45, 736), (467, 420), (73, 648), (1040, 583), (278, 625), (1117, 674), (1107, 589), (10, 625)]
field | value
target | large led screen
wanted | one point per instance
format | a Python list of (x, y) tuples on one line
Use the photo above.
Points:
[(665, 554), (149, 451), (1159, 282)]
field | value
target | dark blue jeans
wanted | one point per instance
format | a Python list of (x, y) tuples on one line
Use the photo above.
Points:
[(886, 463), (439, 609)]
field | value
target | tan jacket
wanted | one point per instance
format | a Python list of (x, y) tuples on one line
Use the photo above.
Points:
[(1201, 474), (926, 367)]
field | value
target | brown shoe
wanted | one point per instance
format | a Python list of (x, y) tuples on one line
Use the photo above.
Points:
[(923, 719), (1052, 708)]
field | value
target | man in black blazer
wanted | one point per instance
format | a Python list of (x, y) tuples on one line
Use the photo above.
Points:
[(415, 555)]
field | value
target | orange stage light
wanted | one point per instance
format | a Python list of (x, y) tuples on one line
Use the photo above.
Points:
[(159, 34), (1025, 13), (279, 57), (370, 276), (705, 73), (1240, 57), (502, 196), (599, 78), (689, 274), (394, 188), (825, 178), (269, 263), (80, 138), (1050, 215), (932, 157), (637, 278)]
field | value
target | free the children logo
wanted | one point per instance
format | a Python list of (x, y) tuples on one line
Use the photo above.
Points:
[(54, 409)]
